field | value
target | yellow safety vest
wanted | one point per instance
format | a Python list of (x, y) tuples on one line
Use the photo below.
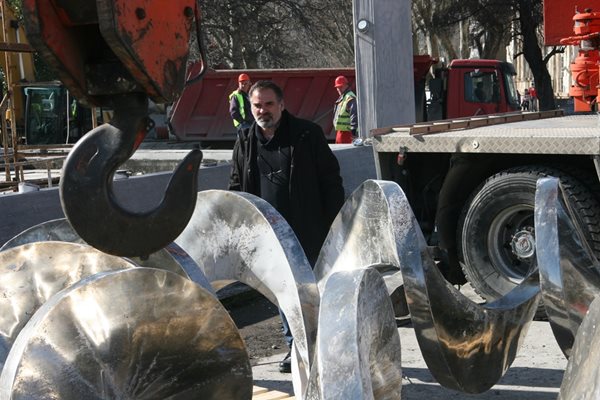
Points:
[(240, 100), (341, 120)]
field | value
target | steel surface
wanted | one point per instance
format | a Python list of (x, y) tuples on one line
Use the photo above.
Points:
[(238, 236), (563, 135), (358, 341), (581, 380), (568, 269), (95, 340), (361, 236), (171, 258), (356, 351), (30, 274), (466, 346)]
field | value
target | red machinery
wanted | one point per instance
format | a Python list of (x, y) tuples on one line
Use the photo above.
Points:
[(586, 67), (118, 53), (101, 48)]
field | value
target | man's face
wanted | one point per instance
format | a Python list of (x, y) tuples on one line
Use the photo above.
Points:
[(341, 89), (266, 108), (245, 86)]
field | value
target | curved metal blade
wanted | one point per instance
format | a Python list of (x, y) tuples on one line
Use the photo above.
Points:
[(95, 340), (30, 274), (171, 258), (361, 235), (358, 341), (238, 236), (467, 346), (568, 268), (582, 376)]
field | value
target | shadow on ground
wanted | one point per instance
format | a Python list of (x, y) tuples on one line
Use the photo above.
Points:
[(519, 383)]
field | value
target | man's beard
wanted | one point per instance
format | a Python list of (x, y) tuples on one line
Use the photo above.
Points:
[(266, 122)]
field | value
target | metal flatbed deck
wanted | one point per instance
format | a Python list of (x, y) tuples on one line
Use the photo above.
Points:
[(557, 135)]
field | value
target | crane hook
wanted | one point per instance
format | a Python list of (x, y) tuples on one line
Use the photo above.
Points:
[(86, 187)]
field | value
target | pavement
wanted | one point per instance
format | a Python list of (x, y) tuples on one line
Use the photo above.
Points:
[(536, 373)]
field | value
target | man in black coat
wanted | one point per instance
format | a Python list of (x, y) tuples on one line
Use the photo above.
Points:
[(286, 161)]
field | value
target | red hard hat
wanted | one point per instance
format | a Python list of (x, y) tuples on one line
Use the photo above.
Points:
[(243, 77), (341, 81)]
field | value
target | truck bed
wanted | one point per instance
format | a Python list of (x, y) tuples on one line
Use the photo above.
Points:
[(574, 134)]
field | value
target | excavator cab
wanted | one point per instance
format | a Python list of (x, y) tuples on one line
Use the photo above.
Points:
[(45, 115), (52, 116)]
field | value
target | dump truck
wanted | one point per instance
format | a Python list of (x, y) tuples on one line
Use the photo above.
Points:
[(471, 181), (487, 86)]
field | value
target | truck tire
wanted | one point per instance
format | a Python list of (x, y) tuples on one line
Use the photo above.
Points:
[(499, 213)]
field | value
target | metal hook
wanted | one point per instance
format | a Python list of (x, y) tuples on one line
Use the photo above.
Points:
[(86, 187)]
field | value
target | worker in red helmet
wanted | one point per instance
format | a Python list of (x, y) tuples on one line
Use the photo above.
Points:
[(345, 117), (239, 104)]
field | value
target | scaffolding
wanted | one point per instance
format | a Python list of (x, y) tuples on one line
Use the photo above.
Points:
[(16, 156)]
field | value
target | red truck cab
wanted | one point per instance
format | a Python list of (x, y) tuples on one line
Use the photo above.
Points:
[(473, 87)]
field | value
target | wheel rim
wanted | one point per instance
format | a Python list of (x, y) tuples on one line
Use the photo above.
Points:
[(511, 243)]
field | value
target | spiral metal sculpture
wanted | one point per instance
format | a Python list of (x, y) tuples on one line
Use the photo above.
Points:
[(341, 317)]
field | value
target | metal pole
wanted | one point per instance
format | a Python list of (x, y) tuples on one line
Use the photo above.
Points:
[(94, 121), (49, 174), (3, 106), (8, 79), (68, 117), (384, 63)]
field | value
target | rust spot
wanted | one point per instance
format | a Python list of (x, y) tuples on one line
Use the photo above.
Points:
[(140, 13)]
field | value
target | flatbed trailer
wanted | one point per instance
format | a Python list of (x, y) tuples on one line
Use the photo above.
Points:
[(471, 183)]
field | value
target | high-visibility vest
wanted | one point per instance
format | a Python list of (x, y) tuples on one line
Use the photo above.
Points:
[(341, 120), (240, 100)]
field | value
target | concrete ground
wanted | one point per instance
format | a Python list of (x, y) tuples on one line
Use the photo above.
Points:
[(536, 373)]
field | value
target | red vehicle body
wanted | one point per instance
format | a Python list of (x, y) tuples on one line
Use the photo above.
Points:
[(498, 89), (202, 111)]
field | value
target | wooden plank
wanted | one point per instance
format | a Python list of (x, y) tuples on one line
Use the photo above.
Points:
[(45, 146), (272, 395), (16, 47), (424, 128), (37, 161), (258, 390), (260, 393)]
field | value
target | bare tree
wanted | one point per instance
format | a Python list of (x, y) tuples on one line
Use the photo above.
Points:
[(491, 25), (272, 34), (438, 36), (530, 17)]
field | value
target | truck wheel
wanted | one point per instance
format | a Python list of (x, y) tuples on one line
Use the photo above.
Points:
[(496, 230)]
